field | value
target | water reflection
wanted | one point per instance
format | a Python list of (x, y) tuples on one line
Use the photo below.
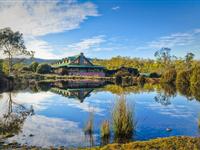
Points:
[(50, 111), (12, 116)]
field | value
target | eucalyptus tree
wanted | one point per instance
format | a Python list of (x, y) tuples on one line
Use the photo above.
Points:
[(12, 47), (163, 55), (188, 60)]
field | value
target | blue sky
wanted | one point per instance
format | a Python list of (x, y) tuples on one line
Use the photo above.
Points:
[(104, 29)]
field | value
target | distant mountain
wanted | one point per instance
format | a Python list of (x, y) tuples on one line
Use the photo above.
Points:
[(39, 60)]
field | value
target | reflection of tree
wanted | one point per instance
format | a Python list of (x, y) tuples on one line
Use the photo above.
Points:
[(185, 91), (14, 117), (164, 96), (105, 140), (196, 92)]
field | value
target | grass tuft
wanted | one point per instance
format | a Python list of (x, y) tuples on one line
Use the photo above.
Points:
[(122, 118)]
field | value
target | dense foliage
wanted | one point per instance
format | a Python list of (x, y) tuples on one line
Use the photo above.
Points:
[(33, 66), (169, 76), (44, 69), (12, 46)]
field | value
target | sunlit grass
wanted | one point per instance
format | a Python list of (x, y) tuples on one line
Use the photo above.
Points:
[(122, 117)]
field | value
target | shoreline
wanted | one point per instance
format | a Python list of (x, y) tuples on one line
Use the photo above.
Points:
[(55, 77), (172, 142)]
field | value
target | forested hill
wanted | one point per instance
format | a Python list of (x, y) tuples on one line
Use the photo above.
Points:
[(39, 60)]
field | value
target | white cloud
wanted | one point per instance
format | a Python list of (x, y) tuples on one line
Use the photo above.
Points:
[(37, 18), (37, 100), (42, 49), (172, 40), (115, 8), (45, 50), (87, 44)]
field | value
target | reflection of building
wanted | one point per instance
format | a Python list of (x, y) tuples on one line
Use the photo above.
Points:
[(76, 89), (79, 94), (78, 66)]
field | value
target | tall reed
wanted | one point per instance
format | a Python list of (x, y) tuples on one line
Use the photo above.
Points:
[(90, 124), (199, 121), (105, 129), (122, 117)]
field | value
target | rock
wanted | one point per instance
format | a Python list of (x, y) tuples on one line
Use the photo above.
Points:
[(168, 129)]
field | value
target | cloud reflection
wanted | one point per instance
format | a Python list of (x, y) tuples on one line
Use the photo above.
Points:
[(45, 132)]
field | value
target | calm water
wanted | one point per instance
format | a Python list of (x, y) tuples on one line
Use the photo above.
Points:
[(57, 115)]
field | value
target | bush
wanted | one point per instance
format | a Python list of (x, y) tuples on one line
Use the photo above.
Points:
[(105, 129), (122, 119), (33, 66), (195, 78), (169, 76), (43, 69), (122, 73)]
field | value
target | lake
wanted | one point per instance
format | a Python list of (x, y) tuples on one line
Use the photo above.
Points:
[(55, 114)]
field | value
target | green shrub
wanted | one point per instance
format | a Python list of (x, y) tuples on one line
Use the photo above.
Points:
[(169, 76), (195, 82), (123, 73), (33, 66), (25, 68), (44, 69), (122, 119), (195, 78), (105, 129)]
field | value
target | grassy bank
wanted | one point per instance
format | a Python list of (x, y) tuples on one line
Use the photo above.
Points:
[(171, 143)]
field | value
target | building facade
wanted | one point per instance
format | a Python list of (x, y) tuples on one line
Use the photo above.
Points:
[(77, 65)]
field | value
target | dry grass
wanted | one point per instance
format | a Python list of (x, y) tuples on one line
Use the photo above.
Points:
[(170, 143), (122, 118)]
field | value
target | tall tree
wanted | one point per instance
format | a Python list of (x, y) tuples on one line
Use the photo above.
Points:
[(12, 45), (188, 59), (163, 55), (163, 58)]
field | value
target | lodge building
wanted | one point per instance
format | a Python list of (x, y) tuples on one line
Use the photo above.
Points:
[(77, 65)]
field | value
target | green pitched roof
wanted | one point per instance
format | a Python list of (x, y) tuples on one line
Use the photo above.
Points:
[(72, 58)]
